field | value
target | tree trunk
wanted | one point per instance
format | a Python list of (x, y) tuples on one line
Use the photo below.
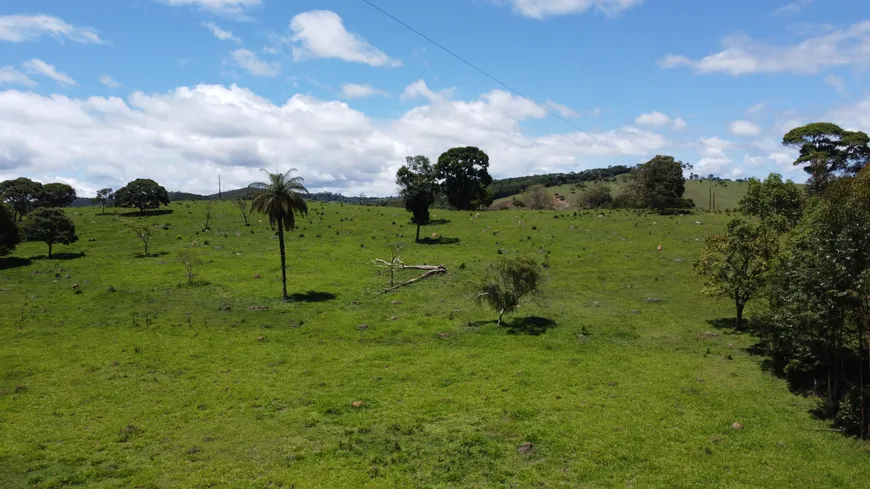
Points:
[(500, 314), (146, 248), (283, 257), (246, 219), (49, 250), (739, 323), (418, 233)]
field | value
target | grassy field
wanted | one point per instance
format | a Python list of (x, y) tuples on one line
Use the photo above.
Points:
[(114, 372), (728, 193)]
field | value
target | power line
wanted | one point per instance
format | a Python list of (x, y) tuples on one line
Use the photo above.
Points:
[(460, 58)]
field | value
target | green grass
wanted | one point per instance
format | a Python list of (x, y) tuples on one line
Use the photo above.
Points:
[(141, 380), (728, 193)]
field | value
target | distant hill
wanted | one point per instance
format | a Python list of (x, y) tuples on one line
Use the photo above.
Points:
[(727, 192)]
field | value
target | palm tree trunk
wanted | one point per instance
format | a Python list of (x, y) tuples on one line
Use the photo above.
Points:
[(283, 257)]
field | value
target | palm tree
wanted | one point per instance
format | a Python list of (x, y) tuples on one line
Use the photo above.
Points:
[(280, 199)]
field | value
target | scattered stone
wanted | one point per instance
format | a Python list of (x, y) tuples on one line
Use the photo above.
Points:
[(635, 311), (224, 307), (257, 276), (362, 327), (525, 447), (259, 308), (395, 302), (358, 404), (708, 334), (75, 286), (443, 335), (393, 318), (653, 300), (612, 383), (737, 426), (659, 248), (261, 338), (678, 260)]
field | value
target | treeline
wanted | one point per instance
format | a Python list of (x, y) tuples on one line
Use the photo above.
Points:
[(511, 186), (804, 257)]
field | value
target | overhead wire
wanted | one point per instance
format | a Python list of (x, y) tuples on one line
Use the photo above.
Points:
[(460, 58)]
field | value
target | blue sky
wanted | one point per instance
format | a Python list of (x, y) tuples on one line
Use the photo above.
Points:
[(96, 93)]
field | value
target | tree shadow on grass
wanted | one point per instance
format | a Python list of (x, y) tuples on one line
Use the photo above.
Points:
[(531, 325), (151, 255), (14, 262), (61, 256), (438, 222), (154, 212), (727, 324), (312, 296), (438, 241)]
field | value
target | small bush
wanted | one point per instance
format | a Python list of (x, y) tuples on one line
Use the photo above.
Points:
[(506, 281)]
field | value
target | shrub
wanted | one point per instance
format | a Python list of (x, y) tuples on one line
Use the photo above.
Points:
[(506, 281)]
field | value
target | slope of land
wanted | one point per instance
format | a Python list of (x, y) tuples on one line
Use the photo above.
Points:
[(116, 373), (728, 193)]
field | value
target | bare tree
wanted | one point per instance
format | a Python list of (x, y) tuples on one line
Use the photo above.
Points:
[(537, 198), (208, 204), (189, 259), (143, 231), (243, 204)]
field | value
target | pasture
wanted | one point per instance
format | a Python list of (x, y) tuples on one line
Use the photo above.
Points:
[(115, 372)]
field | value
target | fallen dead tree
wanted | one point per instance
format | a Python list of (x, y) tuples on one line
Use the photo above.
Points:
[(396, 264)]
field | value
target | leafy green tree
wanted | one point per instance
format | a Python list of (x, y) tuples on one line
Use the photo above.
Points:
[(281, 199), (777, 204), (826, 151), (464, 177), (9, 236), (736, 263), (416, 181), (51, 226), (143, 231), (596, 197), (820, 302), (56, 195), (659, 183), (506, 281), (142, 193), (22, 195), (103, 196)]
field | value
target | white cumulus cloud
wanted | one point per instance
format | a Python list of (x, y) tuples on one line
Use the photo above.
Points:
[(744, 128), (40, 67), (793, 8), (838, 83), (539, 9), (183, 137), (20, 28), (562, 110), (420, 89), (743, 55), (658, 119), (321, 34)]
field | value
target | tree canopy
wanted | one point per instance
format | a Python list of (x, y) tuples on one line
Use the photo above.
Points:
[(51, 226), (142, 194), (103, 196), (56, 195), (22, 195), (659, 183), (464, 177), (776, 203), (9, 236), (826, 151), (417, 184)]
